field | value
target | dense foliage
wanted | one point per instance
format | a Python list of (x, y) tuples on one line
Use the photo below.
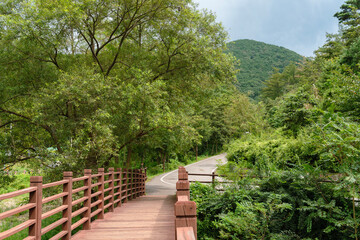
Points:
[(287, 205), (298, 177), (257, 62), (92, 83)]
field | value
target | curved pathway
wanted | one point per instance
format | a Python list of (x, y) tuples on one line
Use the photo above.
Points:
[(165, 184)]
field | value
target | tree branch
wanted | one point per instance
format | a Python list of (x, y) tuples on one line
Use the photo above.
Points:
[(7, 123)]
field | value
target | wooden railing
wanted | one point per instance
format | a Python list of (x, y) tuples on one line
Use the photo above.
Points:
[(185, 210), (101, 192), (212, 175)]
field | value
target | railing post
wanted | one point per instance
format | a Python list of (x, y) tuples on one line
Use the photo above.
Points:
[(101, 196), (35, 213), (67, 200), (185, 210), (133, 178), (125, 173), (183, 185), (120, 186), (213, 178), (111, 185), (87, 202), (143, 176), (138, 183), (130, 171), (185, 213)]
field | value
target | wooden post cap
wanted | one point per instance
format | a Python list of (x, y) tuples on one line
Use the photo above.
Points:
[(185, 209), (68, 174), (87, 171), (101, 170), (111, 169), (118, 169), (36, 179)]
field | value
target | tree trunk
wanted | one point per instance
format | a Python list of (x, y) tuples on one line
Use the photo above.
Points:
[(91, 160), (128, 158), (119, 159), (163, 161), (196, 152)]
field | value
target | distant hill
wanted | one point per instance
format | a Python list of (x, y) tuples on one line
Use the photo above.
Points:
[(257, 60)]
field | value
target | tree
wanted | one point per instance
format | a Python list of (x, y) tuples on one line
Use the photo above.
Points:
[(87, 80), (279, 83)]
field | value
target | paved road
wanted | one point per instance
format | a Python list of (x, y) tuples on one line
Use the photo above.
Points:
[(165, 184)]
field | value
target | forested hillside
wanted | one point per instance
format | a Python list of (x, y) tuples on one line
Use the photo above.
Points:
[(305, 162), (258, 61)]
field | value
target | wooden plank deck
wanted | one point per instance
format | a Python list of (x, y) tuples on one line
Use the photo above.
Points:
[(147, 217)]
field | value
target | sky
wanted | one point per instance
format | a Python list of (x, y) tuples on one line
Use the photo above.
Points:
[(299, 25)]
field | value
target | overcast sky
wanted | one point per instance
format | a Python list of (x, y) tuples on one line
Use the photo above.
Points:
[(299, 25)]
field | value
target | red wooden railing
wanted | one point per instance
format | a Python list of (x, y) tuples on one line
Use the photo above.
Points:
[(212, 175), (185, 210), (101, 191)]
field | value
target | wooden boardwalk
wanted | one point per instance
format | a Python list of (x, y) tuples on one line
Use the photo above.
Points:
[(146, 217)]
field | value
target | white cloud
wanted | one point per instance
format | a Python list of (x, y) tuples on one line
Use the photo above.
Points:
[(295, 24)]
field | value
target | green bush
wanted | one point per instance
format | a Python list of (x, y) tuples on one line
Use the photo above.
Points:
[(287, 205), (269, 152)]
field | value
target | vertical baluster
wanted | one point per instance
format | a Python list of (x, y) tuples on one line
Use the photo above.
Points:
[(67, 200), (35, 213), (126, 184), (129, 176), (142, 181), (101, 196), (132, 184), (87, 202), (137, 183), (120, 189), (111, 185)]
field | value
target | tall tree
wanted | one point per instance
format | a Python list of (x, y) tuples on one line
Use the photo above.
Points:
[(85, 80)]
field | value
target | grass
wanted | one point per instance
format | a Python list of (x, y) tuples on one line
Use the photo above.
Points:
[(19, 218), (23, 181)]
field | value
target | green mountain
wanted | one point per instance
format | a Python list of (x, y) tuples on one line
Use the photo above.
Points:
[(257, 63)]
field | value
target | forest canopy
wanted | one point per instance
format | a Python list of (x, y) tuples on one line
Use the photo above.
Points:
[(93, 82)]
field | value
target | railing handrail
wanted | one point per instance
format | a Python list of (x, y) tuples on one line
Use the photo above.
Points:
[(204, 174), (122, 185), (212, 175)]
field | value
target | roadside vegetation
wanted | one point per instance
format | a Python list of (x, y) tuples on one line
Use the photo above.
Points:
[(298, 176)]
